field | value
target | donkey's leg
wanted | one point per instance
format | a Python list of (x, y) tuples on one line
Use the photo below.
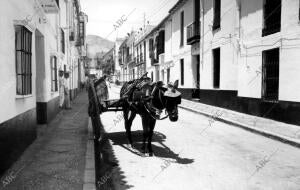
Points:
[(128, 118), (145, 131), (151, 128)]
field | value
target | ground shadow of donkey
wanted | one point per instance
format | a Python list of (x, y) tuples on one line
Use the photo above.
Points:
[(119, 138)]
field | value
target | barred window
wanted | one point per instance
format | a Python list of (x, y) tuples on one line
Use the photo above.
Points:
[(23, 46), (54, 87), (270, 75)]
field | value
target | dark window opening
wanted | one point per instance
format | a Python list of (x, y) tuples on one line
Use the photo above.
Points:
[(152, 76), (54, 87), (217, 15), (197, 10), (182, 71), (161, 43), (181, 28), (272, 17), (62, 40), (216, 68), (168, 75), (23, 45), (198, 71), (57, 2), (270, 75), (133, 74)]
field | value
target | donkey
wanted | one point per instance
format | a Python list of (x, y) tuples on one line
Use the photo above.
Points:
[(161, 98)]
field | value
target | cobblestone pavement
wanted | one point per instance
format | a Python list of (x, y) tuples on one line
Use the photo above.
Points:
[(56, 160)]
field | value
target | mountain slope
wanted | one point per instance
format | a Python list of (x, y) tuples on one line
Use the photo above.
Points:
[(97, 44)]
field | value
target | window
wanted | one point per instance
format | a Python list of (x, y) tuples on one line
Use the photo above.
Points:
[(62, 40), (133, 74), (217, 15), (152, 76), (216, 68), (81, 29), (181, 28), (270, 75), (57, 2), (81, 33), (182, 71), (162, 75), (168, 75), (196, 10), (299, 11), (23, 45), (272, 17), (53, 61), (150, 47)]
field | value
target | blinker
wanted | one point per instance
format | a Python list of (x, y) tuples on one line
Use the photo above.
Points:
[(172, 93)]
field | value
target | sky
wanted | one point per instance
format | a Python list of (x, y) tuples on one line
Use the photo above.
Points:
[(103, 15)]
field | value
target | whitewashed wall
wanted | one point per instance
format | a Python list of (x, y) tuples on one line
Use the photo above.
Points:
[(223, 38), (12, 12), (252, 45)]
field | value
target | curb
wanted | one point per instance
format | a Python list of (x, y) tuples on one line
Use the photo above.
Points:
[(278, 137), (89, 182)]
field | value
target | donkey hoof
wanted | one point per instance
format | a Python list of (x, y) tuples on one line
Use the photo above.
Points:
[(150, 154)]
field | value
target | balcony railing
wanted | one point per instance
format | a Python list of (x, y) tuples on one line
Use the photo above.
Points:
[(50, 6), (193, 33)]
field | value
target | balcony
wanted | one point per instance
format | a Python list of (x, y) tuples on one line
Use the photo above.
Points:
[(161, 58), (72, 36), (50, 6), (193, 33), (129, 58), (153, 60)]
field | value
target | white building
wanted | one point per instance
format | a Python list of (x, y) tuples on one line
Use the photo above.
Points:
[(117, 71), (31, 55), (236, 54)]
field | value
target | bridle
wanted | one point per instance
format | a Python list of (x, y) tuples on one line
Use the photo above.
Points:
[(162, 103)]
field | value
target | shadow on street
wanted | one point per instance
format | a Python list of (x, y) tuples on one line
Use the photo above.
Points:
[(119, 138)]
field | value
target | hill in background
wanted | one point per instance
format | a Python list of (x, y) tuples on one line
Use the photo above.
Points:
[(97, 44)]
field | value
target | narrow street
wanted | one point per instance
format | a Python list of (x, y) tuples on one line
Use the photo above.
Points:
[(191, 154)]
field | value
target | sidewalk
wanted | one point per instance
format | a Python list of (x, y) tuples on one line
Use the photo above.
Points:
[(286, 133), (56, 160)]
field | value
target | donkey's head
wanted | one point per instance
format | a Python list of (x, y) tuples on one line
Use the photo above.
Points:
[(172, 99), (168, 97)]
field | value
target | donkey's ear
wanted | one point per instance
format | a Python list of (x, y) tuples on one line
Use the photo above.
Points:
[(176, 84)]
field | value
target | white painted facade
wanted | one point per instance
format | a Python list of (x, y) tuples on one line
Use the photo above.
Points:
[(223, 38), (252, 44), (45, 29), (15, 12)]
